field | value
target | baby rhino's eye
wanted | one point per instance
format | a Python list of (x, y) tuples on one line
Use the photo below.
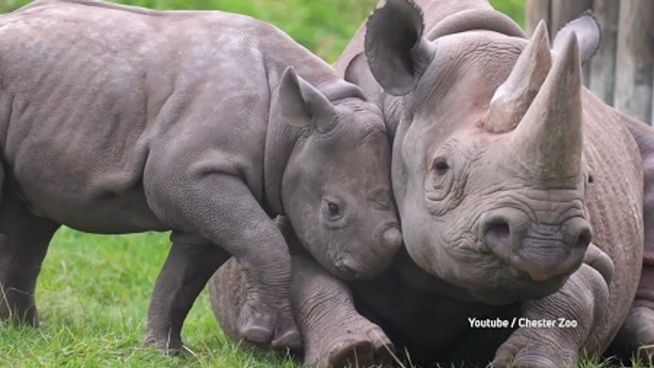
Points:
[(334, 209)]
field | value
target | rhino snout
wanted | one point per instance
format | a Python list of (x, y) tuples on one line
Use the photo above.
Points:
[(390, 237), (543, 252), (369, 259)]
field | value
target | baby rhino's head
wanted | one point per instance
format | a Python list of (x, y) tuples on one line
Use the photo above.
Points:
[(336, 187)]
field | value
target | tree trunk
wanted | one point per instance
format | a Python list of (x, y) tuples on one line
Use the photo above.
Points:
[(537, 10), (602, 65), (633, 92)]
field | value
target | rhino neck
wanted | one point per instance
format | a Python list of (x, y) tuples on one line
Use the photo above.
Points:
[(282, 140)]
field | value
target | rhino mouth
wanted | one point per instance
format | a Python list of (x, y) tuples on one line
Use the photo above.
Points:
[(519, 287)]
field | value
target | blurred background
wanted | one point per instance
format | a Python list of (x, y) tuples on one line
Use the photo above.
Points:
[(622, 71), (324, 26)]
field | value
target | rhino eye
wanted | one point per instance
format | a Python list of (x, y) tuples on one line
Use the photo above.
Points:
[(440, 165), (333, 210)]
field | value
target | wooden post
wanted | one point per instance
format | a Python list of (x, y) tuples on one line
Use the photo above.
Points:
[(537, 10), (633, 90), (602, 65), (564, 11)]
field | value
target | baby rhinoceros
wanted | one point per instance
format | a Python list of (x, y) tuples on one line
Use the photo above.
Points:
[(119, 119)]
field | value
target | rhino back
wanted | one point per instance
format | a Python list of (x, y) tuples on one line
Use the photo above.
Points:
[(615, 205), (89, 89)]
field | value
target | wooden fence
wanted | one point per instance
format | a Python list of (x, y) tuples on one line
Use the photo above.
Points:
[(622, 72)]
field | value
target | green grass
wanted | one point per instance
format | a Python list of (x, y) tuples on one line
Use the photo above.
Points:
[(93, 292), (93, 296)]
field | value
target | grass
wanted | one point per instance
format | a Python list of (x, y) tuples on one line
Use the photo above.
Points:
[(93, 292), (93, 296)]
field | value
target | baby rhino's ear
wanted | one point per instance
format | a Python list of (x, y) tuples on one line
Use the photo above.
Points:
[(301, 105)]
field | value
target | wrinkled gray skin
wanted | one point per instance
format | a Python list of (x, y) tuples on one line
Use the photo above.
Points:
[(120, 120), (496, 196)]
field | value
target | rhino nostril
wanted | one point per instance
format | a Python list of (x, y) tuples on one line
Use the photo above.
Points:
[(584, 238), (497, 233)]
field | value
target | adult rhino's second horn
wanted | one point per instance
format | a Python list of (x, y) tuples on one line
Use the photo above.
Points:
[(513, 98), (548, 139)]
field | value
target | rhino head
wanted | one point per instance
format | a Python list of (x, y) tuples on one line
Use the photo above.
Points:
[(488, 167), (336, 185)]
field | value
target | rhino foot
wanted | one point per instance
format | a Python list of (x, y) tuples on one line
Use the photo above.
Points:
[(636, 337), (265, 328), (530, 352), (369, 348), (168, 346)]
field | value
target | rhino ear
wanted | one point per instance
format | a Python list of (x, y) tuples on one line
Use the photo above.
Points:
[(397, 52), (589, 36), (358, 73), (301, 105)]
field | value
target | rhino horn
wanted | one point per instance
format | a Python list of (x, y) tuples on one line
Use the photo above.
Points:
[(548, 139), (513, 98)]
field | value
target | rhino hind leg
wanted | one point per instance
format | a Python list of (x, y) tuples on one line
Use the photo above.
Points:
[(24, 240), (190, 263)]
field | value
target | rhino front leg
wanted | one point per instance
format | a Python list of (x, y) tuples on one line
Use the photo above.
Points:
[(584, 300), (221, 208), (335, 334), (24, 240), (636, 336), (190, 263)]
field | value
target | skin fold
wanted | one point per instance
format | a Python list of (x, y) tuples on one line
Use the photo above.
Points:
[(520, 193), (120, 119)]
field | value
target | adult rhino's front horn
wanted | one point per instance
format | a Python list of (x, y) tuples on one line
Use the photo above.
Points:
[(548, 139)]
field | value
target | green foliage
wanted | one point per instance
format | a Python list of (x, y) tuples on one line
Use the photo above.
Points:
[(324, 26), (513, 8)]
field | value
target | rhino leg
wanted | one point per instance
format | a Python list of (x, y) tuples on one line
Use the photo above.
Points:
[(222, 209), (584, 300), (637, 333), (636, 336), (335, 334), (190, 263), (229, 286), (24, 240)]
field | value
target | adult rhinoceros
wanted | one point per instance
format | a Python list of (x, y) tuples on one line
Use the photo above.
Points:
[(502, 162)]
